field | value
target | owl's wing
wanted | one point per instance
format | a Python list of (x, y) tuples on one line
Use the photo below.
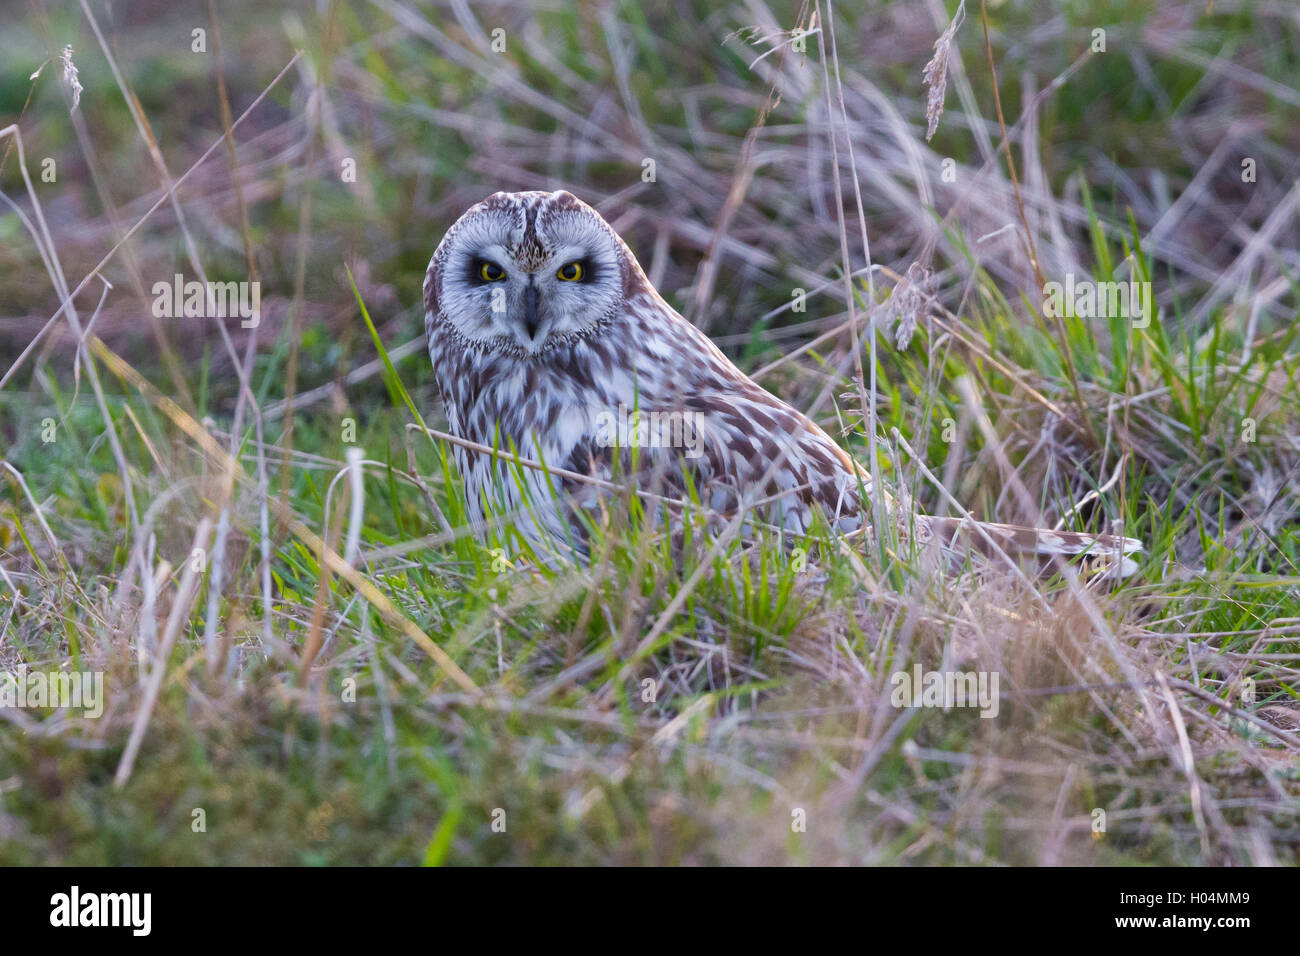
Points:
[(956, 538)]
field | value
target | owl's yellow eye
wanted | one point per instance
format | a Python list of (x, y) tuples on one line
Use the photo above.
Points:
[(570, 273), (491, 272)]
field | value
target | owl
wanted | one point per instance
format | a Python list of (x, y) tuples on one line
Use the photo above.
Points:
[(549, 344)]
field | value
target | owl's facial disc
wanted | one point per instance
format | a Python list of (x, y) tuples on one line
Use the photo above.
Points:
[(527, 271)]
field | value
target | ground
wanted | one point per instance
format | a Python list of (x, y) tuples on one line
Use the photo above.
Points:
[(273, 695)]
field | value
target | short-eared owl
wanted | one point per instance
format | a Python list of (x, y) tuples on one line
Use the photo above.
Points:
[(546, 337)]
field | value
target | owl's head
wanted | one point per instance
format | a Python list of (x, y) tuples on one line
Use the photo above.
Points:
[(522, 272)]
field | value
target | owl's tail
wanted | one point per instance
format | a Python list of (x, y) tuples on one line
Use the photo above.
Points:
[(1106, 554)]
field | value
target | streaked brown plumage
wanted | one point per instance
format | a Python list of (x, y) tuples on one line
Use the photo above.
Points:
[(529, 358)]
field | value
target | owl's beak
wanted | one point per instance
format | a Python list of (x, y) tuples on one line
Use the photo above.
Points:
[(532, 314)]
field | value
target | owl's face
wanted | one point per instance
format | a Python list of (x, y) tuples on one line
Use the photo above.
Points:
[(521, 272)]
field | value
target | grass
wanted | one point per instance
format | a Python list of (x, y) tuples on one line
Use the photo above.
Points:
[(324, 683)]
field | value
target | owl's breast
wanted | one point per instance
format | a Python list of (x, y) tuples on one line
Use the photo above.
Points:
[(529, 405)]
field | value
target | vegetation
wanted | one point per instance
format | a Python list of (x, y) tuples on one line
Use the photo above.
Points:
[(310, 659)]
